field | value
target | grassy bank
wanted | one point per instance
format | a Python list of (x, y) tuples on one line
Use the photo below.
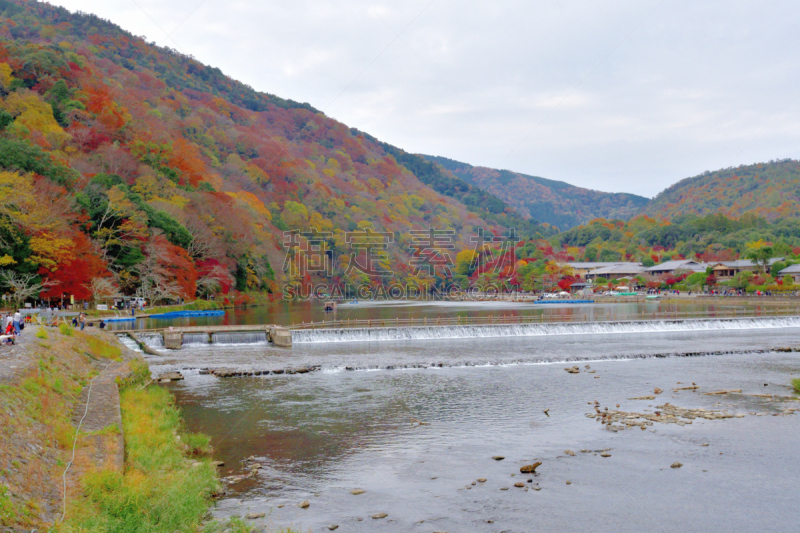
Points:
[(36, 432), (796, 385), (168, 480), (168, 477)]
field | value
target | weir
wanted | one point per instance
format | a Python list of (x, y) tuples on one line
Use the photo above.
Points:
[(531, 329), (176, 338)]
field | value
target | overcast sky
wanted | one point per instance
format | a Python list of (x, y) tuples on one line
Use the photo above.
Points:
[(622, 96)]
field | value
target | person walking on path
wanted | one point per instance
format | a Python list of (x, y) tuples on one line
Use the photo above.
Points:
[(82, 321), (17, 320)]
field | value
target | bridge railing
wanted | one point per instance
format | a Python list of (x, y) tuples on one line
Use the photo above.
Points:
[(543, 319)]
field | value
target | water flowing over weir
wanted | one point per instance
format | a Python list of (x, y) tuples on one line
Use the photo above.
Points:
[(257, 337), (195, 338), (204, 339), (533, 330)]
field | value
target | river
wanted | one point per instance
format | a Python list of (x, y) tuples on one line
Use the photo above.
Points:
[(415, 423)]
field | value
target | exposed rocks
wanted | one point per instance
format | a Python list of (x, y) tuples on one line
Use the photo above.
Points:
[(378, 516), (720, 392), (530, 469), (356, 492), (605, 454), (254, 516), (498, 457), (231, 372), (304, 504), (573, 370), (519, 484), (481, 480), (170, 376), (616, 420), (569, 452), (676, 464), (657, 391), (642, 398), (333, 527)]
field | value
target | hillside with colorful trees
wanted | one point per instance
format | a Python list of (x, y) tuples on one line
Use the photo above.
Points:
[(769, 190), (126, 168), (540, 264), (649, 240), (130, 169), (553, 202)]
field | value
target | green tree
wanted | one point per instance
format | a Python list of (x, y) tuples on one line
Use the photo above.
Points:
[(760, 253)]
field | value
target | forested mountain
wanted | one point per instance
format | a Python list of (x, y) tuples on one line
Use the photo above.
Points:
[(769, 190), (132, 167), (555, 202)]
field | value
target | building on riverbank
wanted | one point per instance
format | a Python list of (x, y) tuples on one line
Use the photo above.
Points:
[(793, 271), (583, 269), (670, 267), (618, 271), (725, 270)]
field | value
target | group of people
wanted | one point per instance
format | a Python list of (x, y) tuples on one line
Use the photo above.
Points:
[(13, 326), (80, 320)]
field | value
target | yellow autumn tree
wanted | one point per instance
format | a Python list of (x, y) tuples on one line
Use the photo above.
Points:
[(34, 115), (5, 75)]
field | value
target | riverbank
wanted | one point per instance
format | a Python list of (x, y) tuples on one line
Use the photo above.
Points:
[(88, 444)]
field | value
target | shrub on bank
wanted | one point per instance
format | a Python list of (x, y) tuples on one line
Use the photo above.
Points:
[(796, 385)]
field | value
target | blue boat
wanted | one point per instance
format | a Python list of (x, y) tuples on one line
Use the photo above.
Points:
[(564, 302), (183, 314)]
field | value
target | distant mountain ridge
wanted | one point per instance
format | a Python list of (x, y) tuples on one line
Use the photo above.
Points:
[(554, 202), (769, 190)]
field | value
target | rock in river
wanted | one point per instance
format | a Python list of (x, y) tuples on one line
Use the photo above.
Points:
[(676, 464), (530, 469), (356, 492), (379, 515), (304, 504), (253, 516), (498, 457)]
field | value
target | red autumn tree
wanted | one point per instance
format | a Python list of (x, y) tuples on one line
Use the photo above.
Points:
[(73, 276)]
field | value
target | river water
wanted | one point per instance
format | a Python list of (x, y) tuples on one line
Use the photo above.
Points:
[(355, 424)]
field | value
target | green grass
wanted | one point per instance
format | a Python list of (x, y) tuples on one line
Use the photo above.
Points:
[(796, 385), (41, 333), (66, 329), (100, 348), (160, 489)]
